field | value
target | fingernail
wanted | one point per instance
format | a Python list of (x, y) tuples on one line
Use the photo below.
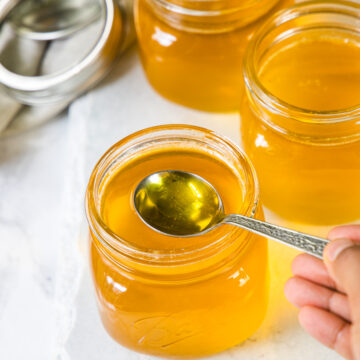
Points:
[(335, 247)]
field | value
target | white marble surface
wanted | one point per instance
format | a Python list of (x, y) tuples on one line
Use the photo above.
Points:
[(47, 304)]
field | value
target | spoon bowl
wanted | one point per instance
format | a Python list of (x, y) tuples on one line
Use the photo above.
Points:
[(181, 204), (178, 203)]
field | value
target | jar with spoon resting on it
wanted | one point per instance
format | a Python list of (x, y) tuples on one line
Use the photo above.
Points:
[(192, 50), (301, 112), (172, 296)]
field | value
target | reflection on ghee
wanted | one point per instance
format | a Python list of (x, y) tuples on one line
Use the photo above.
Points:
[(196, 308)]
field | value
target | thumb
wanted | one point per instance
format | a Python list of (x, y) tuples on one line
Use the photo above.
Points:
[(342, 258)]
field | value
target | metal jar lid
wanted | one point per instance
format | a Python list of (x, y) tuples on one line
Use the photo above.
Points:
[(68, 83)]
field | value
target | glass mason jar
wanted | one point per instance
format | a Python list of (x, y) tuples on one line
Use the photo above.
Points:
[(192, 50), (171, 296), (301, 112)]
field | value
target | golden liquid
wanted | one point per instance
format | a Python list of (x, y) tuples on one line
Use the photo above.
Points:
[(315, 74), (209, 312), (302, 181), (198, 70), (178, 203)]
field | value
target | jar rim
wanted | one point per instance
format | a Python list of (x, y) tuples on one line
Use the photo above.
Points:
[(211, 16), (176, 8), (274, 103), (117, 244)]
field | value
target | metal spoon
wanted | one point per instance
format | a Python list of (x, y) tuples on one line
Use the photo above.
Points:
[(52, 20), (182, 204)]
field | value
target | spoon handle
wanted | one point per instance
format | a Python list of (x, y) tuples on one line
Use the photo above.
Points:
[(310, 244)]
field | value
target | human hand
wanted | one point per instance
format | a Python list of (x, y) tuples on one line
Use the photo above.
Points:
[(328, 293)]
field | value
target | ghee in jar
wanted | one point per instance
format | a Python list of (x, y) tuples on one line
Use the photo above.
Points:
[(171, 296), (192, 51), (301, 113)]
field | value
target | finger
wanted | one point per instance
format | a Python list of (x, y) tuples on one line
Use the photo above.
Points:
[(327, 328), (302, 292), (351, 232), (313, 269), (342, 258), (355, 336)]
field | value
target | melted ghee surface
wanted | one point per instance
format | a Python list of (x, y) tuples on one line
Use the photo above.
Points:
[(118, 209), (316, 73)]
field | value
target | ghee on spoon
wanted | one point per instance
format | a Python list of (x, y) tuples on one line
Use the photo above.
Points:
[(181, 204)]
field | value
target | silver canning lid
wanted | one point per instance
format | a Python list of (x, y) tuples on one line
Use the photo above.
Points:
[(68, 83), (53, 19)]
